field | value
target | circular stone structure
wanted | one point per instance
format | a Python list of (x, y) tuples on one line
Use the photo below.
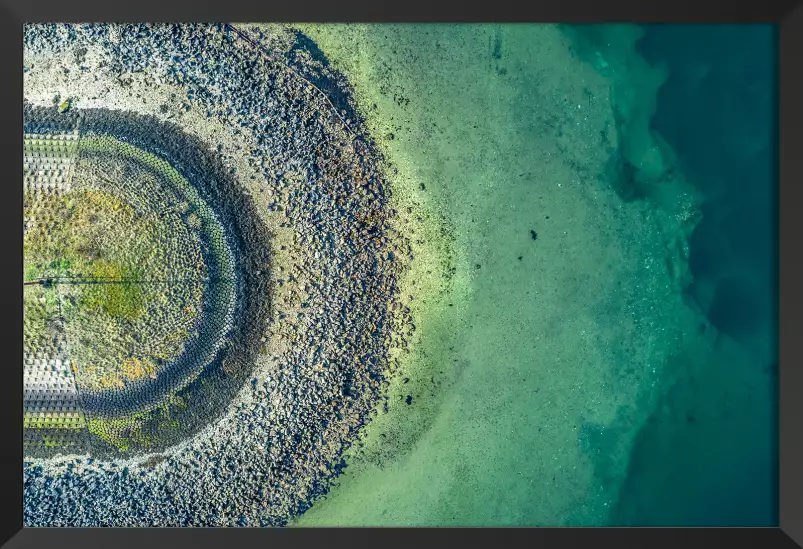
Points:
[(148, 282), (211, 278)]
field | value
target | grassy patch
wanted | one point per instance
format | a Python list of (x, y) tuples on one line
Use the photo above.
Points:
[(40, 306), (119, 300)]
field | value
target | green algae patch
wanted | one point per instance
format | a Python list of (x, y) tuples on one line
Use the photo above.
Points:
[(141, 431), (120, 300)]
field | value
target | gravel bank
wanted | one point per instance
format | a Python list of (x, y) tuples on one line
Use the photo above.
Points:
[(310, 179)]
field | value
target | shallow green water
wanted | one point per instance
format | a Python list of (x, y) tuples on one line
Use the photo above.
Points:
[(560, 374)]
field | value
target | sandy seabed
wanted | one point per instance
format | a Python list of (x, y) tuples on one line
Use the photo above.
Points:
[(563, 322)]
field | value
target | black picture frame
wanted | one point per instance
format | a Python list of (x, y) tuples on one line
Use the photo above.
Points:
[(784, 13)]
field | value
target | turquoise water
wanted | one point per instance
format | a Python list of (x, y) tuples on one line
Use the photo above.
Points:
[(717, 110), (592, 212)]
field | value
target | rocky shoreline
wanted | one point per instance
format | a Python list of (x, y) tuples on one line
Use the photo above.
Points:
[(321, 364)]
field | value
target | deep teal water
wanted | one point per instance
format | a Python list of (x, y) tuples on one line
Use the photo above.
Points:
[(706, 457)]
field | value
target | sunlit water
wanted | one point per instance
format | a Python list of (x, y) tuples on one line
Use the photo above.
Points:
[(568, 368)]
